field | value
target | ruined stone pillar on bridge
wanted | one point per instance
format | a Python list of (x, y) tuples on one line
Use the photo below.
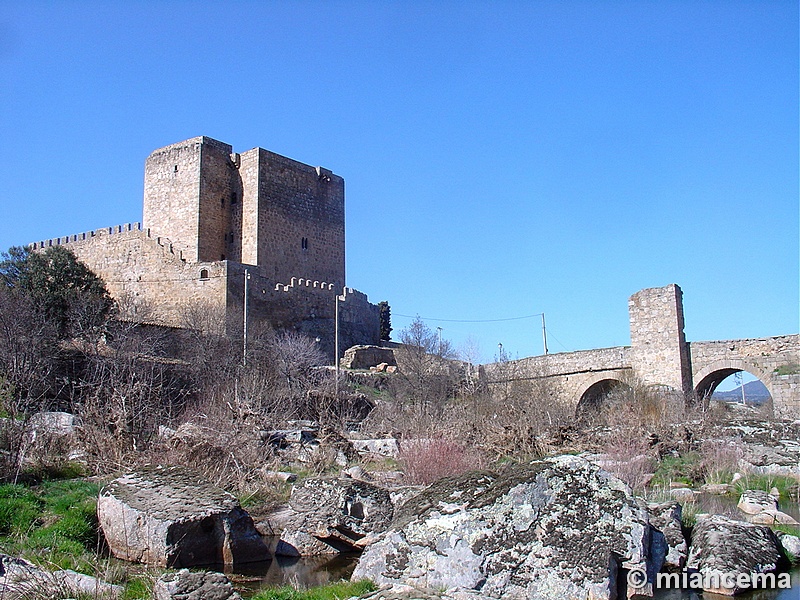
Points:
[(658, 352)]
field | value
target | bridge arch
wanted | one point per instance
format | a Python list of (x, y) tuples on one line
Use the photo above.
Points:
[(596, 390), (710, 376)]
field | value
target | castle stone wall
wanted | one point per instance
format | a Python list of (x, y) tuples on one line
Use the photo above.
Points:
[(303, 305), (145, 274)]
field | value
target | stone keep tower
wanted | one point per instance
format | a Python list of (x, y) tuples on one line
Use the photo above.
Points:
[(658, 343), (256, 208)]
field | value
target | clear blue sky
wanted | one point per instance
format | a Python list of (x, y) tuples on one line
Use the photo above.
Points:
[(501, 158)]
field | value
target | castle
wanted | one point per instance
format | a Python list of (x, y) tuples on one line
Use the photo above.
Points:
[(218, 223)]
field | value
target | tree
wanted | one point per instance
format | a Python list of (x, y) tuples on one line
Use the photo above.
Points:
[(386, 320), (425, 368), (64, 290)]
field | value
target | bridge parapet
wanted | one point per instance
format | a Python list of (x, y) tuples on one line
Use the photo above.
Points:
[(774, 360), (560, 364)]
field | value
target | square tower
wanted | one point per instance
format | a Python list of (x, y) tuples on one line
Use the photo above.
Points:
[(189, 189), (257, 208)]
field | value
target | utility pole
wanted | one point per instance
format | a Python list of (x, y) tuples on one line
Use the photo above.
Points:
[(544, 334), (440, 340), (244, 318)]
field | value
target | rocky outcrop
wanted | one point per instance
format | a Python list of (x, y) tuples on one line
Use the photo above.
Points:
[(791, 546), (20, 579), (333, 515), (721, 546), (380, 447), (668, 546), (170, 517), (753, 502), (199, 585), (557, 528), (762, 508)]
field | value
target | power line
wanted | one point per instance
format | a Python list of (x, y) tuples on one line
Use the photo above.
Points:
[(468, 320)]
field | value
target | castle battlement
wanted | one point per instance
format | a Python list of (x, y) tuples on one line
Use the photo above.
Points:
[(165, 243)]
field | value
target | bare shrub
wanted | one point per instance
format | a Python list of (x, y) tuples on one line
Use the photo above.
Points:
[(125, 392), (720, 459), (629, 457), (428, 459)]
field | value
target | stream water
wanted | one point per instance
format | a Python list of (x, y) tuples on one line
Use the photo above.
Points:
[(314, 571)]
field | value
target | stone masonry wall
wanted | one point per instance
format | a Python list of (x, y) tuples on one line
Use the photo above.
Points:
[(303, 305), (658, 344), (145, 273), (775, 361), (300, 220)]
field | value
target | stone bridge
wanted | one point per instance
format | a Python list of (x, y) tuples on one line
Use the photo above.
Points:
[(660, 357)]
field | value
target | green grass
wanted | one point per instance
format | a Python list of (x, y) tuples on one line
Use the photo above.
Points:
[(685, 469), (54, 524), (787, 486), (332, 591)]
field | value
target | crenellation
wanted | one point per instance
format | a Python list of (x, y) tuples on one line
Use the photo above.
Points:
[(210, 214)]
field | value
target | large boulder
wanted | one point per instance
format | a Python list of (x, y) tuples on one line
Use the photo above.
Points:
[(20, 580), (668, 545), (722, 547), (199, 585), (753, 502), (333, 515), (170, 517), (557, 528)]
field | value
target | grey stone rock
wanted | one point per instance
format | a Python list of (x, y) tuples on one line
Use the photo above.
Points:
[(364, 357), (668, 541), (387, 447), (753, 502), (20, 580), (199, 585), (557, 528), (791, 546), (333, 515), (772, 517), (683, 494), (716, 489), (170, 517), (724, 546), (53, 423)]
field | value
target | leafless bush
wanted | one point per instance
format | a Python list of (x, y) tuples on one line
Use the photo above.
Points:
[(629, 457), (28, 353), (720, 459), (428, 459)]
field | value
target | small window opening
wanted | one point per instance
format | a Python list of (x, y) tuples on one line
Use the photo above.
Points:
[(176, 168), (222, 202), (204, 274), (222, 257), (304, 243), (234, 198)]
